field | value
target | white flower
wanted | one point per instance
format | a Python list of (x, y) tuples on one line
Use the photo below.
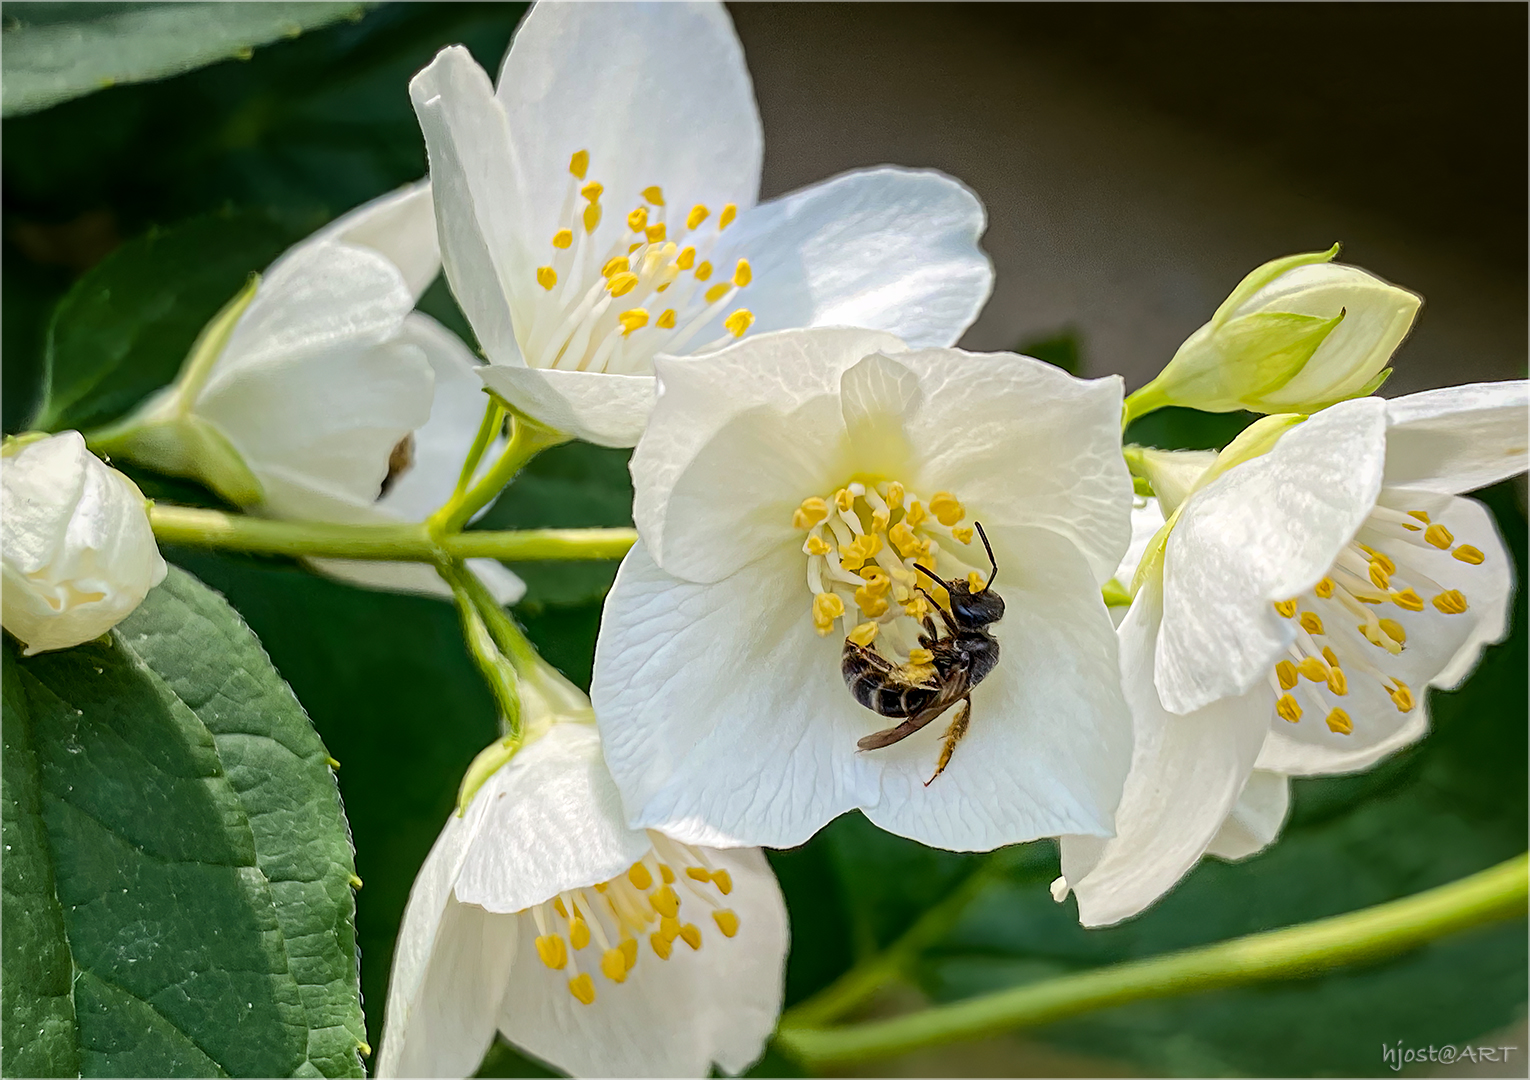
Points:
[(1297, 334), (598, 208), (784, 491), (78, 553), (603, 950), (1290, 623), (322, 395)]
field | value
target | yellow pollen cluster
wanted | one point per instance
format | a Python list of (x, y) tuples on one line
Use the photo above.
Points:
[(584, 320), (646, 901), (1387, 564)]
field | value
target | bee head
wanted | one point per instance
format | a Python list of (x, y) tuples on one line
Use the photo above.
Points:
[(974, 608)]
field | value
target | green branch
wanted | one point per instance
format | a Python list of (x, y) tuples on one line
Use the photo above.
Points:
[(527, 439), (1298, 951), (404, 542)]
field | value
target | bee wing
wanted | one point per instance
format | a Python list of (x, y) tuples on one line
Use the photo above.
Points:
[(956, 687)]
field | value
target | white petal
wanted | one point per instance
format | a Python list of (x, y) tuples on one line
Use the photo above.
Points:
[(888, 249), (726, 719), (607, 410), (400, 225), (556, 787), (1186, 775), (657, 93), (1147, 519), (450, 967), (672, 1017), (1257, 818), (1263, 531), (1459, 438), (474, 177), (1488, 588), (1024, 443), (1285, 752)]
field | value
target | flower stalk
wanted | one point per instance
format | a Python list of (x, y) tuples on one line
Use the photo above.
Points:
[(527, 439), (1498, 893)]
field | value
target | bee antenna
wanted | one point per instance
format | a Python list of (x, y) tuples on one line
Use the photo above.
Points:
[(992, 562), (931, 575)]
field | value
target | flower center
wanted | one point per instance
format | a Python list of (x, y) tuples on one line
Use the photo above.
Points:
[(862, 546), (1343, 623), (616, 914), (652, 290)]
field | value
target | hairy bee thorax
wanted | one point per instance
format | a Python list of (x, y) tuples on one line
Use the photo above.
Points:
[(863, 543), (611, 306), (1358, 620), (658, 900)]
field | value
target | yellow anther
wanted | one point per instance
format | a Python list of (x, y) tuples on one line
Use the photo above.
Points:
[(723, 880), (915, 514), (1287, 709), (633, 247), (862, 548), (697, 215), (1311, 623), (552, 951), (1373, 633), (920, 657), (563, 238), (686, 259), (579, 164), (654, 195), (880, 519), (947, 510), (690, 933), (617, 264), (613, 965), (903, 538), (1331, 656), (592, 191), (917, 608), (876, 579), (1313, 669), (622, 284), (871, 606), (1324, 588), (666, 321), (1401, 696), (1439, 536), (547, 277), (725, 218), (739, 322), (661, 945), (578, 933), (718, 291), (963, 534), (698, 873), (1419, 515), (635, 319), (826, 608), (1393, 629), (637, 221), (601, 887), (1379, 557), (810, 513), (641, 879), (742, 274), (894, 495), (1408, 600), (592, 217), (669, 927), (1468, 554), (664, 901), (655, 233), (817, 545), (1379, 576), (726, 921), (1450, 603), (1339, 722), (1286, 608), (703, 271), (844, 500), (666, 873), (583, 988), (558, 906), (864, 634), (1285, 671), (1338, 682), (629, 948)]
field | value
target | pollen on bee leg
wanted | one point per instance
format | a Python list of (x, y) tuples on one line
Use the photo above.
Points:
[(1451, 602), (1339, 722)]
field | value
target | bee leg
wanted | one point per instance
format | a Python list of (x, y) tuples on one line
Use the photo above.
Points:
[(953, 736), (931, 635)]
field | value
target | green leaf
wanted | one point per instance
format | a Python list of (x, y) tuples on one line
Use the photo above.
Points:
[(125, 327), (1062, 349), (171, 786), (54, 52)]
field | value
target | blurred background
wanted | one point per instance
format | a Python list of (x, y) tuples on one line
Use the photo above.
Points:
[(1136, 161)]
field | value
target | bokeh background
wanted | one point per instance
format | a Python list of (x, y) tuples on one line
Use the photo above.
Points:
[(1136, 161)]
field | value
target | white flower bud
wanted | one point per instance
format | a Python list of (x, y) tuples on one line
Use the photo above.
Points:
[(78, 552), (1296, 335)]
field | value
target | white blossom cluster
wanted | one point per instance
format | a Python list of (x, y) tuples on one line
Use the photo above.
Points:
[(832, 501)]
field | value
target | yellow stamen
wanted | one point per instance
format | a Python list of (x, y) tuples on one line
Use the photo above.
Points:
[(622, 284), (579, 164), (1285, 671), (666, 874), (563, 238), (1331, 656), (552, 951), (1393, 629), (686, 259), (1379, 576), (742, 274), (963, 534), (879, 520), (629, 948), (617, 264), (1439, 536), (1468, 554), (664, 901), (725, 218), (1311, 623), (817, 545), (703, 271), (1420, 515), (947, 510), (583, 988), (666, 321), (718, 291), (1286, 608), (810, 513), (614, 965), (697, 873), (974, 581), (578, 933), (726, 921), (635, 319), (871, 606), (903, 538), (1401, 696), (1339, 722), (1324, 588), (915, 515), (654, 195), (558, 906), (723, 880), (592, 191), (655, 233), (895, 495), (920, 657), (1450, 603), (690, 933), (1378, 557), (1287, 709), (1408, 600), (637, 221), (826, 608), (591, 217), (661, 945), (697, 215), (641, 879), (740, 321), (1313, 669), (844, 500), (547, 277), (1338, 683)]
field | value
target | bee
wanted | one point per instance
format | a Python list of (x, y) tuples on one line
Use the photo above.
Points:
[(960, 660)]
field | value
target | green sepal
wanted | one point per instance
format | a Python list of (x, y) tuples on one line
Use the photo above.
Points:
[(1263, 275), (1269, 349)]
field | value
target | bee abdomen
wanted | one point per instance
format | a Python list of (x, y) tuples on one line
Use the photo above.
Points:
[(867, 675)]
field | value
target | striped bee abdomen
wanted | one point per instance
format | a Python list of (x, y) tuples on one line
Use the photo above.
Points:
[(882, 686)]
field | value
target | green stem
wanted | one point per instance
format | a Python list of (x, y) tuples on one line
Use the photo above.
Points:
[(527, 439), (404, 542), (491, 664), (507, 636), (493, 417), (1142, 401), (1497, 893)]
